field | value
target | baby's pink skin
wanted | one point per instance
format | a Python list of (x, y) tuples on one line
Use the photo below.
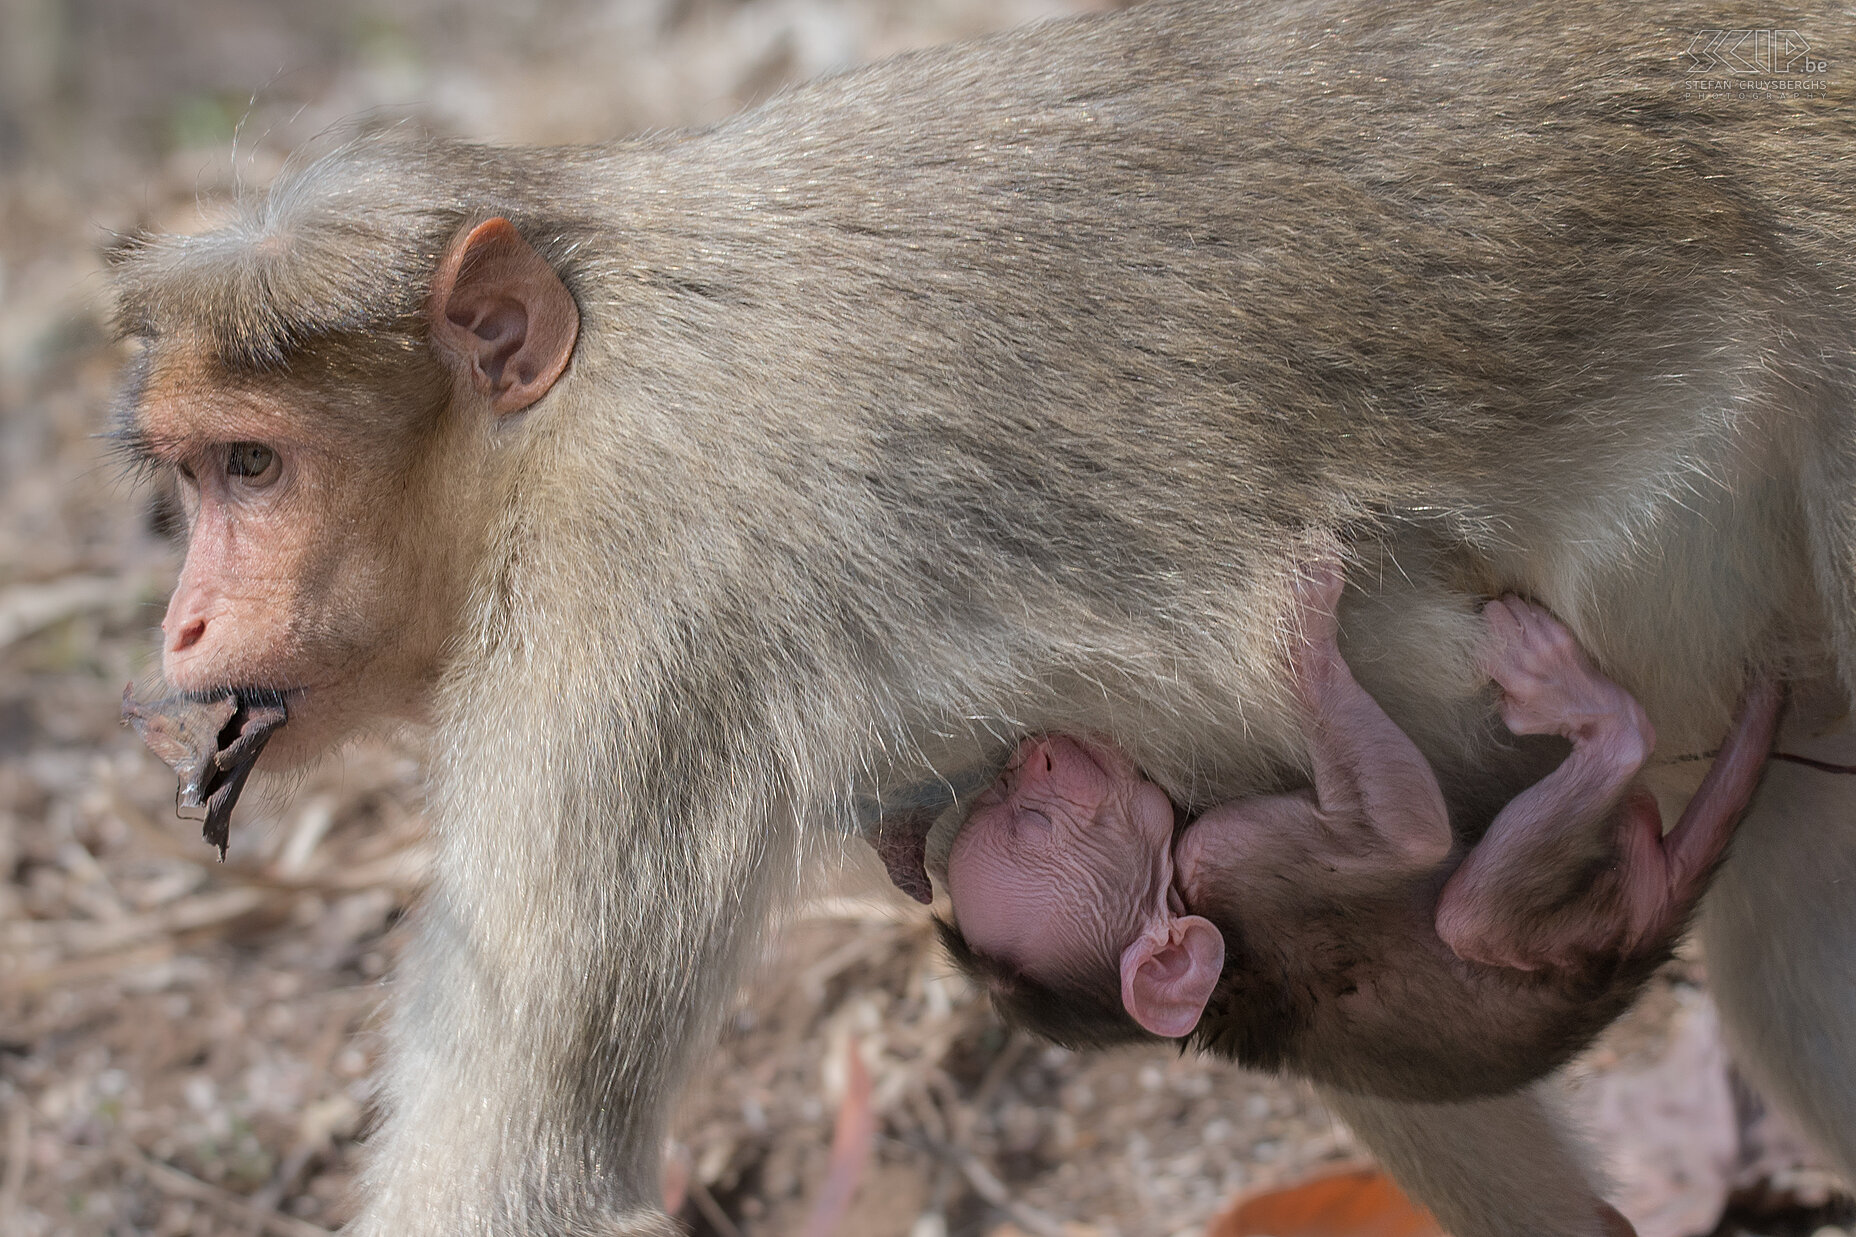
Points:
[(1065, 867), (1549, 686), (1068, 862), (1591, 804), (1062, 857), (1373, 818)]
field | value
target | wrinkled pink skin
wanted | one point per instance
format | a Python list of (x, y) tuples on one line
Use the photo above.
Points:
[(1065, 856), (1549, 687), (1070, 859)]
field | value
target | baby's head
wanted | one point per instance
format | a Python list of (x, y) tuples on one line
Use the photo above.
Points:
[(1064, 900)]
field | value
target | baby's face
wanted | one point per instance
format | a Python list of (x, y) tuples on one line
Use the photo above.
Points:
[(1063, 859)]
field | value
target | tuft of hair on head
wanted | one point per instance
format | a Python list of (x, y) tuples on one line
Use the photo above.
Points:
[(285, 271), (342, 245), (1080, 1012)]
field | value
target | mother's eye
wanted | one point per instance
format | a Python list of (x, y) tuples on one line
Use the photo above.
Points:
[(252, 460)]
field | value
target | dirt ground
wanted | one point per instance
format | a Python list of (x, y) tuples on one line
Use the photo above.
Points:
[(185, 1045)]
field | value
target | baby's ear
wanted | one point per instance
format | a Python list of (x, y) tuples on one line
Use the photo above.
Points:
[(1169, 972)]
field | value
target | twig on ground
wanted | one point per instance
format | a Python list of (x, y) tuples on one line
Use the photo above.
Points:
[(712, 1210), (27, 608), (87, 970), (994, 1191), (171, 1180), (81, 936), (18, 1147)]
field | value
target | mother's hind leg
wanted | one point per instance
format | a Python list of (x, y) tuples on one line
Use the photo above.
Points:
[(1779, 930)]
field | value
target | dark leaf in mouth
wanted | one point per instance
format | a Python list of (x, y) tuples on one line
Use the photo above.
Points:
[(210, 744)]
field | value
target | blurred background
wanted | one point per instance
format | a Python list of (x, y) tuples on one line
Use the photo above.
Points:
[(185, 1045)]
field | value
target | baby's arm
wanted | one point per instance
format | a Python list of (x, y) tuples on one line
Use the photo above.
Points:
[(1577, 865), (1374, 791)]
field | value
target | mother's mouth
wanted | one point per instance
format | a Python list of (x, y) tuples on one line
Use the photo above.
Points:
[(211, 742)]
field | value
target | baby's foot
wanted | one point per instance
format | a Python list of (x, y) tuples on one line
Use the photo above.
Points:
[(1548, 684)]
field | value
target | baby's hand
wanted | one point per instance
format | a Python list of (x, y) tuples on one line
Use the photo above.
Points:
[(1316, 593)]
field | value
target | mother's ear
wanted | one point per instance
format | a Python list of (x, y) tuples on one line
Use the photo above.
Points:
[(1168, 974), (502, 320)]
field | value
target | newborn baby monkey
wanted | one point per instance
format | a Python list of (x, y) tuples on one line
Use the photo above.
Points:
[(1342, 931)]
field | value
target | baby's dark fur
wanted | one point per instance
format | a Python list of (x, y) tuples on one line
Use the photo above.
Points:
[(1363, 997)]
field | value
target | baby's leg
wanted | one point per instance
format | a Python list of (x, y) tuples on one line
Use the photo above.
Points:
[(1373, 788), (1577, 865)]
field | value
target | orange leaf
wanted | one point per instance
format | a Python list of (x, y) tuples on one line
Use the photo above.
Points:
[(1359, 1203)]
